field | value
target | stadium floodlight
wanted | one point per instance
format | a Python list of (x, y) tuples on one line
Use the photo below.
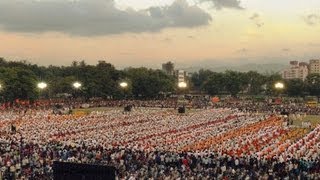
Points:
[(123, 85), (279, 85), (77, 85), (42, 85), (182, 85)]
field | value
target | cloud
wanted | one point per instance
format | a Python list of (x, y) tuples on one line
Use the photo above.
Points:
[(167, 40), (313, 44), (312, 19), (254, 16), (253, 34), (256, 19), (96, 17), (242, 50), (220, 4), (126, 53)]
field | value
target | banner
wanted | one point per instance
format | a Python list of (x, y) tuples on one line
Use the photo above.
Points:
[(215, 99)]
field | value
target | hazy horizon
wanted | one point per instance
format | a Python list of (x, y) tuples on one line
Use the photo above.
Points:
[(148, 33)]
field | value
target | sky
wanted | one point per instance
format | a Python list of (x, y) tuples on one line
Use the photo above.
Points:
[(150, 32)]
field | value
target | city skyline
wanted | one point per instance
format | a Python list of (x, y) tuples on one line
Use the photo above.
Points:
[(142, 32)]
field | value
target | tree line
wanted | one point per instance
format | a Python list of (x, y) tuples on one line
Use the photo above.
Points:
[(18, 80), (253, 83)]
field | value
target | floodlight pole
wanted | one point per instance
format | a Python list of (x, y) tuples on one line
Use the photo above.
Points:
[(181, 92), (42, 86), (76, 86)]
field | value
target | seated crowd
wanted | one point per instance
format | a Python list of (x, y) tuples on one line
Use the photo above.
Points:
[(219, 143)]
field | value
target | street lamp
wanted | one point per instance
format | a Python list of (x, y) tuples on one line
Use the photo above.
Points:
[(42, 85), (123, 85), (279, 85), (77, 85), (182, 85), (181, 100)]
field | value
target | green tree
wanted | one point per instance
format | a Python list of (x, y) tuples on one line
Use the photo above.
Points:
[(255, 82), (60, 85), (214, 84), (295, 87), (18, 83), (233, 82), (148, 83), (313, 84), (198, 79), (271, 79)]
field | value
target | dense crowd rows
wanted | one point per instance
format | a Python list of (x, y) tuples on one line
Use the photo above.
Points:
[(204, 103), (160, 144), (201, 102), (252, 106)]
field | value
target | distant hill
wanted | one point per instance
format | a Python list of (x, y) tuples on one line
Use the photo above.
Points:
[(261, 68)]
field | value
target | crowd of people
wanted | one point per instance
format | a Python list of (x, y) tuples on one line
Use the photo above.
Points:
[(201, 102), (253, 106), (225, 142)]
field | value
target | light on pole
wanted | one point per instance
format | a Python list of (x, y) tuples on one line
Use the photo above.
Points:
[(77, 85), (279, 86), (181, 99), (182, 85), (127, 107), (123, 85), (42, 85)]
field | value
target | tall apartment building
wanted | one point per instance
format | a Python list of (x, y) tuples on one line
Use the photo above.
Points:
[(168, 68), (314, 66), (296, 71), (181, 75)]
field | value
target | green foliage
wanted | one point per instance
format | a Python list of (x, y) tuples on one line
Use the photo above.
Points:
[(255, 82), (198, 79), (214, 84), (147, 83), (231, 82), (19, 80), (18, 83), (313, 84), (270, 82), (295, 87)]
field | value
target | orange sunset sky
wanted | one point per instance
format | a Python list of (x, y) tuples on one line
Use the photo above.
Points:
[(149, 32)]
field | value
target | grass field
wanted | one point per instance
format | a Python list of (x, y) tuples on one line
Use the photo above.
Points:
[(89, 110), (314, 119)]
